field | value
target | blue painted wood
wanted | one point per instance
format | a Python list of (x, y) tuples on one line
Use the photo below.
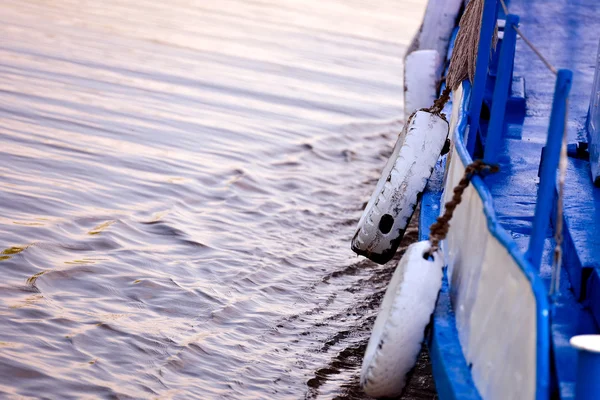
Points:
[(566, 31), (588, 371), (501, 90), (453, 379), (549, 165), (443, 368), (581, 246), (488, 26), (593, 294), (451, 45), (593, 124), (505, 239), (569, 318), (515, 109), (572, 263), (452, 375), (450, 370)]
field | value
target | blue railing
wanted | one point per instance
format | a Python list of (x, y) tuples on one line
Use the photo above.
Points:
[(488, 25), (501, 90), (547, 187), (495, 129), (504, 238), (487, 141)]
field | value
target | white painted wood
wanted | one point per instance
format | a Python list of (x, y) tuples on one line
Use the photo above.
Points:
[(399, 329), (494, 303)]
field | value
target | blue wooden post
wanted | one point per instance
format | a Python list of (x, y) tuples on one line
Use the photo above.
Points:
[(547, 187), (501, 90), (488, 24)]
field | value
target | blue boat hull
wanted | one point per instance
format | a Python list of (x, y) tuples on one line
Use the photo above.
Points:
[(567, 33)]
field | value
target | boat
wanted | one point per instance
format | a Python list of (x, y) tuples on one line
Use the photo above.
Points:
[(518, 317), (518, 314)]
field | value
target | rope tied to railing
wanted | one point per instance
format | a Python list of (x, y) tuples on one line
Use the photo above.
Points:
[(464, 55), (462, 66), (440, 228), (528, 42), (438, 105)]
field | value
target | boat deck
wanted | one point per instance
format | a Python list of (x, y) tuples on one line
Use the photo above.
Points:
[(566, 32)]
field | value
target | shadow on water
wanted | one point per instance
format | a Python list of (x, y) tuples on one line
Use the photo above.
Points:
[(345, 365)]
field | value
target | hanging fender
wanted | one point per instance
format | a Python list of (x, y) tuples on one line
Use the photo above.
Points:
[(422, 71), (404, 177), (399, 329)]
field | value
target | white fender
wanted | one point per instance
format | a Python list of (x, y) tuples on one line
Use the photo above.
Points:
[(404, 177), (422, 71), (438, 23), (399, 329)]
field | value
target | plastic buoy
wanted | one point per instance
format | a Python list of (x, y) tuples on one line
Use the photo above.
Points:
[(422, 70), (399, 329), (404, 177)]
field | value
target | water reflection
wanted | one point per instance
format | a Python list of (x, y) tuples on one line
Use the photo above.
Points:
[(178, 186)]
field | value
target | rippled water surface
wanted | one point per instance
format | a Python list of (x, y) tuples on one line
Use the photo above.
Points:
[(179, 182)]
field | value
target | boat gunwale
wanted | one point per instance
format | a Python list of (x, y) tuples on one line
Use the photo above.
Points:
[(497, 231)]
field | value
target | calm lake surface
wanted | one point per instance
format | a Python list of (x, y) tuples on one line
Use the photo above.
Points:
[(179, 183)]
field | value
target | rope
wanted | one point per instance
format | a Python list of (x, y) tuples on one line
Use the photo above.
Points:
[(439, 229), (504, 7), (558, 234), (466, 44), (439, 104), (528, 42), (536, 51)]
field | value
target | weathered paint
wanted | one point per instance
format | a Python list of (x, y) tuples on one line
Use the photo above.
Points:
[(566, 32), (399, 329), (402, 181)]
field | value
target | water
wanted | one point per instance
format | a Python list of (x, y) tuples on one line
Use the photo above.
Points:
[(179, 182)]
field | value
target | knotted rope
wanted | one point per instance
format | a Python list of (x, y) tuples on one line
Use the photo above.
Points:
[(528, 42), (439, 229), (439, 104), (462, 66)]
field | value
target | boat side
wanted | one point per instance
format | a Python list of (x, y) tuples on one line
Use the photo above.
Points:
[(498, 316), (567, 33)]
